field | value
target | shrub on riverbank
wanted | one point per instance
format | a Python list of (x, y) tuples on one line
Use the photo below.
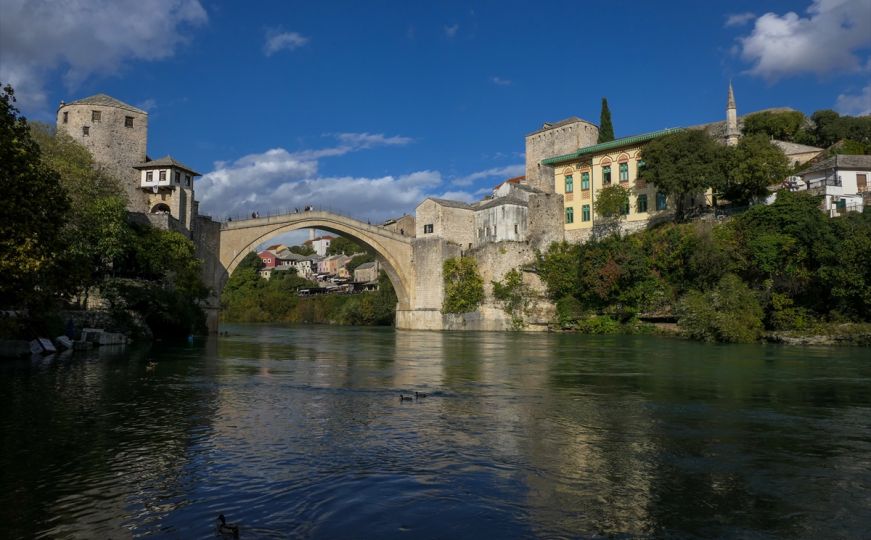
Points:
[(784, 266)]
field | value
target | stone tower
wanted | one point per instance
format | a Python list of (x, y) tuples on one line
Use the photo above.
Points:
[(554, 139), (732, 132), (115, 133)]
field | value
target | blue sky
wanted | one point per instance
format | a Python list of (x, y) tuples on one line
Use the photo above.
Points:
[(367, 107)]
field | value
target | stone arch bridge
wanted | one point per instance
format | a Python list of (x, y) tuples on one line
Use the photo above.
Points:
[(393, 251)]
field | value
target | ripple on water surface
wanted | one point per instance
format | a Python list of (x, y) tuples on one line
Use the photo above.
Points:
[(299, 432)]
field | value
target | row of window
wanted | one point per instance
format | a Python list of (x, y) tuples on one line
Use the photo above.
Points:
[(606, 176), (97, 116), (149, 177), (640, 206)]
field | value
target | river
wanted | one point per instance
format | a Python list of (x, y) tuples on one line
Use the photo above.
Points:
[(299, 432)]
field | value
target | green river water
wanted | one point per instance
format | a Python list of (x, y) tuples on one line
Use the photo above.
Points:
[(299, 432)]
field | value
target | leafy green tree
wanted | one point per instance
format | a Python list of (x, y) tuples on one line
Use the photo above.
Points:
[(33, 209), (606, 129), (357, 260), (464, 288), (684, 165), (558, 268), (516, 297), (755, 164), (783, 125), (728, 313), (343, 245), (303, 250), (612, 204)]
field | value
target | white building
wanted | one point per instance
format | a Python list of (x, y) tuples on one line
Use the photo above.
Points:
[(320, 244), (842, 180)]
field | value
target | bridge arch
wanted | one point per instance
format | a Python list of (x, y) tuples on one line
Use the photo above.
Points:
[(392, 250)]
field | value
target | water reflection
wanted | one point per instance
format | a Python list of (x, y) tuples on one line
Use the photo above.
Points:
[(299, 432)]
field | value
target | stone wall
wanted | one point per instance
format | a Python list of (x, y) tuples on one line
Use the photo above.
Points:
[(561, 138), (545, 220), (428, 257), (503, 222), (115, 147), (207, 240)]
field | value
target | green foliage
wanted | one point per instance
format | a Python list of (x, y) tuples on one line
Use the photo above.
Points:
[(357, 260), (464, 288), (730, 313), (599, 324), (683, 165), (33, 209), (303, 250), (612, 202), (606, 129), (568, 310), (515, 296), (342, 245), (755, 164), (558, 268), (830, 127), (783, 126)]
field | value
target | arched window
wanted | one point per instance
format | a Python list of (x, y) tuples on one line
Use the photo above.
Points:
[(160, 208)]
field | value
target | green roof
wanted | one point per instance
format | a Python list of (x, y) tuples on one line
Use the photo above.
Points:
[(616, 143)]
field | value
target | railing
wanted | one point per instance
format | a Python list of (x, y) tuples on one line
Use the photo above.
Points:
[(275, 212), (821, 184)]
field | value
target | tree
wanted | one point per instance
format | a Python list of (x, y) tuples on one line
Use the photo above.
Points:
[(606, 130), (33, 208), (464, 288), (343, 245), (612, 204), (730, 312), (684, 165), (357, 260), (755, 164), (558, 268), (303, 250), (783, 126)]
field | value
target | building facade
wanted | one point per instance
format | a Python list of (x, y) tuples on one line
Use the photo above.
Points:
[(116, 135), (579, 177), (842, 180), (554, 139)]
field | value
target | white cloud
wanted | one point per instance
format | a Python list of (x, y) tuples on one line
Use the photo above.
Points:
[(855, 104), (739, 19), (368, 140), (500, 82), (85, 38), (277, 41), (825, 41), (451, 31), (496, 172), (278, 180)]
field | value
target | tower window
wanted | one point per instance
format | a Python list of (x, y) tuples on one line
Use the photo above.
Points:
[(128, 121), (187, 180), (163, 176), (86, 130), (177, 177), (66, 117), (96, 116), (149, 176)]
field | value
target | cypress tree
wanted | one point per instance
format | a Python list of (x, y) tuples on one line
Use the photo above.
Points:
[(606, 130)]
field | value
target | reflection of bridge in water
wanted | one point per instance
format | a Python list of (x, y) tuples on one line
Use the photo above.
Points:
[(239, 237)]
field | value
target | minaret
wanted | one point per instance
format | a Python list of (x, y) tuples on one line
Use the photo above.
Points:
[(732, 133)]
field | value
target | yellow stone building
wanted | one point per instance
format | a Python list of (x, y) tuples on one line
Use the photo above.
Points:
[(580, 175)]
